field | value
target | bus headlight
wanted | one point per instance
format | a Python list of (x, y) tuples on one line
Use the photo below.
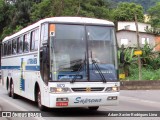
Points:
[(113, 89), (59, 90)]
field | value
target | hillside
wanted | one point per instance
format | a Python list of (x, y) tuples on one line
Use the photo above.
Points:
[(145, 3)]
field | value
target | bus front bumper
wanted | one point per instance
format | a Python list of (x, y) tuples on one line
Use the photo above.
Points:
[(83, 99)]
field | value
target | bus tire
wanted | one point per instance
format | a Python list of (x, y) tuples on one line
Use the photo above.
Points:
[(94, 108), (40, 106), (13, 95)]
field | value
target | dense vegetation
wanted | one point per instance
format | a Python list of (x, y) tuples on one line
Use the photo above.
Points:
[(150, 61), (145, 3), (16, 15)]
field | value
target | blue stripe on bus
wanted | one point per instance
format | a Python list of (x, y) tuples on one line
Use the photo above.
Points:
[(34, 68)]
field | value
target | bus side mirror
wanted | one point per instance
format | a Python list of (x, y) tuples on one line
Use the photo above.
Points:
[(45, 54)]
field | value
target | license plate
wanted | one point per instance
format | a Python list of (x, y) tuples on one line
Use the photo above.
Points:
[(61, 103)]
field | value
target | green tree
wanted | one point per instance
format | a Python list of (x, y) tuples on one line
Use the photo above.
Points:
[(3, 8), (145, 3), (6, 16), (154, 13), (16, 16), (85, 8), (126, 12), (22, 13), (41, 10)]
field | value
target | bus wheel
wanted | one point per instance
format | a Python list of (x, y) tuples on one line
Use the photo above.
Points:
[(94, 108), (8, 88), (13, 95), (40, 106)]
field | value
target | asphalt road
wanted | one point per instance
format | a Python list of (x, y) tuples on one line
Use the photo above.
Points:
[(135, 100)]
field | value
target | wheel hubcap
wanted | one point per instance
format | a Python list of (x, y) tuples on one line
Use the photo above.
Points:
[(39, 98), (12, 90)]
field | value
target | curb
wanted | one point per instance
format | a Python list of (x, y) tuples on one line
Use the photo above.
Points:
[(140, 85)]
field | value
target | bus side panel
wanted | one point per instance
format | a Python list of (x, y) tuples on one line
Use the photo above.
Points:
[(24, 71), (4, 78), (45, 94)]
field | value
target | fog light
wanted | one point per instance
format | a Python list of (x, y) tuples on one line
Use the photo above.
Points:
[(109, 98), (58, 99), (112, 98), (62, 99)]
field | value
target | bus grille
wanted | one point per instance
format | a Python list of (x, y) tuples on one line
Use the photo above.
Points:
[(88, 89)]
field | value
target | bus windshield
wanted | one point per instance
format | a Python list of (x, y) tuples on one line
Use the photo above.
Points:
[(83, 53)]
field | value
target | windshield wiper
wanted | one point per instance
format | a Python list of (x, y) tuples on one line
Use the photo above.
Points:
[(79, 69), (99, 71)]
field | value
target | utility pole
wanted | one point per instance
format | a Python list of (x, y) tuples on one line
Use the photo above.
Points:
[(138, 46)]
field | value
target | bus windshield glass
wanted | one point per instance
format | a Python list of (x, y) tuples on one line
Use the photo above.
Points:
[(83, 53)]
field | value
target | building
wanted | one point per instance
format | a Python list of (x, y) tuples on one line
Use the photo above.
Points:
[(157, 41), (127, 25), (126, 34)]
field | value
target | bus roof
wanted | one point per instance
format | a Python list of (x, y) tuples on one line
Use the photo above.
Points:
[(78, 20)]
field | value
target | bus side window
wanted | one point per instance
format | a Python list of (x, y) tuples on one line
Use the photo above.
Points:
[(2, 50), (9, 48), (26, 41), (34, 40), (44, 34), (14, 46), (5, 49), (44, 62), (19, 44)]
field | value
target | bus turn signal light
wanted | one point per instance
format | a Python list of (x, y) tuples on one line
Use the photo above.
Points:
[(52, 27)]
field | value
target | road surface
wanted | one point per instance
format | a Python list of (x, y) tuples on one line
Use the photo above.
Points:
[(133, 100)]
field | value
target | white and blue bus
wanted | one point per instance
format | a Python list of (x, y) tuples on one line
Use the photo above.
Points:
[(63, 62)]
